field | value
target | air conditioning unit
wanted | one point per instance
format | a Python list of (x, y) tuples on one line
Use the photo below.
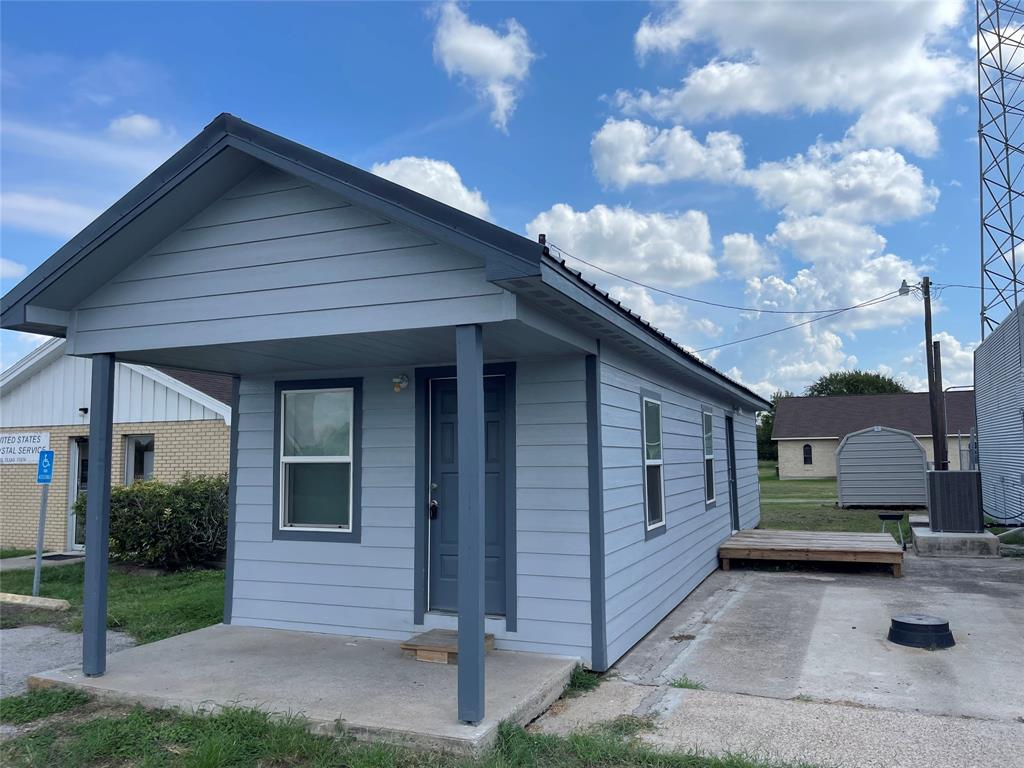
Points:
[(954, 501)]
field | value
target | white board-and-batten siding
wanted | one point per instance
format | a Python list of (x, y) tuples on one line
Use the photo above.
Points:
[(367, 588), (276, 258), (53, 395), (646, 578)]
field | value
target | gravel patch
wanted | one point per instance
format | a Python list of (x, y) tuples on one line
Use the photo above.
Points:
[(29, 650)]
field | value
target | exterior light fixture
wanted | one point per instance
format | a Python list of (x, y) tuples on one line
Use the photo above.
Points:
[(400, 382), (904, 288)]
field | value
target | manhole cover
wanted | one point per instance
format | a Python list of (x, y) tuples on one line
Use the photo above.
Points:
[(918, 630)]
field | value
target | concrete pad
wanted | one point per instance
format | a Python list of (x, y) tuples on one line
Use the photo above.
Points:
[(831, 734), (367, 686), (30, 601), (929, 543), (823, 635), (28, 562)]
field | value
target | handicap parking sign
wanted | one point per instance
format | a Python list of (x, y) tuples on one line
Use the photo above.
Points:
[(44, 471)]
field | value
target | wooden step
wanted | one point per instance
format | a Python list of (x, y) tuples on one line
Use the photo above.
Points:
[(440, 646)]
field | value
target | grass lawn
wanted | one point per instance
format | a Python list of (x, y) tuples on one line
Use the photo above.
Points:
[(6, 552), (92, 736), (810, 505), (147, 606)]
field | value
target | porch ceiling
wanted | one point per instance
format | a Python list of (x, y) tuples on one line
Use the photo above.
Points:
[(507, 340)]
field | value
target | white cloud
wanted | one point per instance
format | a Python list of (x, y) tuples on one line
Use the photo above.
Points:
[(670, 318), (136, 127), (495, 64), (44, 214), (873, 184), (663, 249), (957, 363), (12, 270), (889, 63), (437, 179), (876, 185), (14, 345), (743, 256), (628, 152), (83, 148)]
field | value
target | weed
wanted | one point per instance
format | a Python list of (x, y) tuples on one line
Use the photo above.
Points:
[(581, 680), (685, 682)]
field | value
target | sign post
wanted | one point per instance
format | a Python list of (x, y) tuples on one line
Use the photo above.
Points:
[(44, 476)]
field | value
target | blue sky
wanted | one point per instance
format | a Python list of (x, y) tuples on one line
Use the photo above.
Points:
[(787, 156)]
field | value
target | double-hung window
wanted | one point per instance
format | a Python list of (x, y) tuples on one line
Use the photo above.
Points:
[(654, 480), (316, 473), (709, 457)]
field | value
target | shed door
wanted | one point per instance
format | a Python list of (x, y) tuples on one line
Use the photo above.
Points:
[(444, 479)]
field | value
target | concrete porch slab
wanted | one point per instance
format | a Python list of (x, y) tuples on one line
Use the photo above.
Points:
[(365, 685)]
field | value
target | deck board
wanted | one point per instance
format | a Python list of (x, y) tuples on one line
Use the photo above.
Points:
[(813, 546)]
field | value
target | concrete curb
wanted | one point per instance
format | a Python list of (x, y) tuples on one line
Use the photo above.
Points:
[(49, 603)]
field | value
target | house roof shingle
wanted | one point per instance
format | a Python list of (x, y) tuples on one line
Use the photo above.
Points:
[(216, 385), (805, 417)]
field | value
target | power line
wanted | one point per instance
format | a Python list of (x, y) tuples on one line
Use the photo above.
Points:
[(869, 303), (704, 301)]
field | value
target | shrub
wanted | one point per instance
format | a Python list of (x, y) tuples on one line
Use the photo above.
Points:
[(168, 525)]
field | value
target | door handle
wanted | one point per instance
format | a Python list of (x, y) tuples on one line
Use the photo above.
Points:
[(433, 509)]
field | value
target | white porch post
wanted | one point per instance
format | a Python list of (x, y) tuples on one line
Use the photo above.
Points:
[(470, 388), (97, 516)]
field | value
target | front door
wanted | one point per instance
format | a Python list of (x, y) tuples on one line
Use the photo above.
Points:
[(79, 482), (443, 530), (730, 447)]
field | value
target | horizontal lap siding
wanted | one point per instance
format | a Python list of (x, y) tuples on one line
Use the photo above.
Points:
[(276, 258), (367, 588), (553, 565), (644, 580), (361, 589)]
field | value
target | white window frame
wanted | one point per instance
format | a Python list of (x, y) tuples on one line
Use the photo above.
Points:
[(653, 463), (707, 419), (284, 460), (129, 455)]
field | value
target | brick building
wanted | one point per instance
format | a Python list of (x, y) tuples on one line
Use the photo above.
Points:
[(166, 423), (808, 430)]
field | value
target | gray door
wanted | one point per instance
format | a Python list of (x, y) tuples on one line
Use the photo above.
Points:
[(444, 479), (730, 446)]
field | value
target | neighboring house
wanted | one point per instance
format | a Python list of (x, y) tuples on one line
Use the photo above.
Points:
[(166, 423), (808, 430), (999, 378), (437, 423)]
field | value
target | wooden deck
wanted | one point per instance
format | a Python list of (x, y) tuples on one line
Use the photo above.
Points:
[(813, 546)]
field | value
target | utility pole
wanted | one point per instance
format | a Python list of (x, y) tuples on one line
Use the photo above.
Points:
[(934, 387), (940, 448)]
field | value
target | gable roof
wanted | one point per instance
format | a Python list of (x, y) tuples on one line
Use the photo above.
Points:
[(836, 417), (211, 390), (223, 153)]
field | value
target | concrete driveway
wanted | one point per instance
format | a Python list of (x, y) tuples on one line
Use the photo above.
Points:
[(795, 666)]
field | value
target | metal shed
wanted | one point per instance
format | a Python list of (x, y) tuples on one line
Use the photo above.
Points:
[(881, 467)]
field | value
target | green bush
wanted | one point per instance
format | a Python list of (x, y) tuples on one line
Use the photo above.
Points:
[(168, 525)]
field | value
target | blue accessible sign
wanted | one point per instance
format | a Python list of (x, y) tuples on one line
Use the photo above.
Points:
[(44, 470)]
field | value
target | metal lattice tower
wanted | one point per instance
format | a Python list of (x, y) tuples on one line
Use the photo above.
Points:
[(1001, 150)]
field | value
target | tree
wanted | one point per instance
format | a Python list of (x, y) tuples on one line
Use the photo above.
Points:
[(767, 449), (855, 383)]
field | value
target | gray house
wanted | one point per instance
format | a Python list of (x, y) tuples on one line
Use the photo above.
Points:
[(436, 424)]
